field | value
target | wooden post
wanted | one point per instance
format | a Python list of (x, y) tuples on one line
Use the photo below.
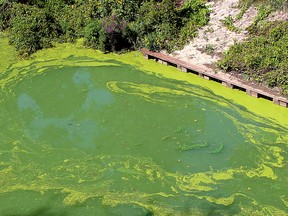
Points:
[(228, 85), (162, 62), (183, 69), (283, 104), (276, 101), (252, 93)]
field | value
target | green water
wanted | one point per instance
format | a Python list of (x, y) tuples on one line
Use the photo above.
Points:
[(89, 134)]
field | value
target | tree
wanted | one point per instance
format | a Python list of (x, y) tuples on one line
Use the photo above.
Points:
[(33, 29)]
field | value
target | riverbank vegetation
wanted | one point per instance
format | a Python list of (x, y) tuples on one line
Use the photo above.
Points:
[(263, 56), (115, 25), (275, 4), (109, 25)]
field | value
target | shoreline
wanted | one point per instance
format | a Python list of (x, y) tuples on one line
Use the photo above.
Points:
[(215, 38), (225, 79)]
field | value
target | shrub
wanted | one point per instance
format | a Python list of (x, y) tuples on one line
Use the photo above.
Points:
[(92, 34), (193, 14), (5, 14), (209, 49), (229, 24), (263, 56), (33, 29), (155, 24), (275, 4), (108, 35), (161, 25)]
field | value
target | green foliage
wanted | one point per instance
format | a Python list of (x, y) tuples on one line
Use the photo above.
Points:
[(154, 24), (275, 4), (73, 16), (157, 25), (229, 23), (263, 13), (164, 26), (265, 7), (92, 34), (244, 7), (33, 29), (194, 14), (5, 14), (110, 34), (209, 49), (263, 56)]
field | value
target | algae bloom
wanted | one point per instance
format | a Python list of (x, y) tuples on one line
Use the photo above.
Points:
[(83, 133)]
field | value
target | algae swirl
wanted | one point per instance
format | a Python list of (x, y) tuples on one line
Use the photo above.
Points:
[(86, 133)]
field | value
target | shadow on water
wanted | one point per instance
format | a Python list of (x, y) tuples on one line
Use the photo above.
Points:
[(42, 211), (128, 209)]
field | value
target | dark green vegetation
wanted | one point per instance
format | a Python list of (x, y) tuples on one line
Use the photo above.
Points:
[(229, 23), (276, 4), (263, 56), (110, 25)]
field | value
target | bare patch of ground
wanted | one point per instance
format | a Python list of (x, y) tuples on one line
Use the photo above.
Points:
[(278, 15), (213, 39)]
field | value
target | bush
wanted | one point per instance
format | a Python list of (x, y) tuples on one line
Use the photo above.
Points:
[(263, 56), (161, 25), (154, 24), (193, 15), (92, 34), (5, 14), (275, 4), (33, 29), (229, 24), (111, 34)]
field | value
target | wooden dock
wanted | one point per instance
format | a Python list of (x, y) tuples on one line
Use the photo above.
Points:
[(210, 75)]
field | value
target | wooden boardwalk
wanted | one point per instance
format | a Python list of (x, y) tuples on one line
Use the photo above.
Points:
[(210, 75)]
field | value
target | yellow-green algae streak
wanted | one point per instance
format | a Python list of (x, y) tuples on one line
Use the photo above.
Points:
[(83, 133)]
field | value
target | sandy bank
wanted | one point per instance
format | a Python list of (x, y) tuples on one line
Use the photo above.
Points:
[(213, 39)]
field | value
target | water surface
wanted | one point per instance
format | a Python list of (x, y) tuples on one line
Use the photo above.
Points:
[(90, 134)]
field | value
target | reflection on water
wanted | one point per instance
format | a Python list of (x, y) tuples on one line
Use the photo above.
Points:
[(97, 98), (113, 140), (26, 102), (82, 77), (82, 133)]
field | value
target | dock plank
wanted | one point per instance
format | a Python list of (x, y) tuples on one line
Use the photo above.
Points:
[(211, 75)]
